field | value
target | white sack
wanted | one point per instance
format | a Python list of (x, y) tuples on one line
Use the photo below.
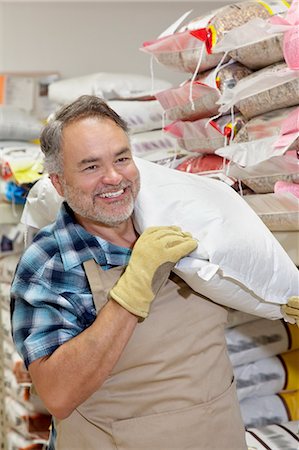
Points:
[(17, 124), (108, 86), (238, 262), (259, 339), (140, 116), (264, 410), (263, 377), (274, 436)]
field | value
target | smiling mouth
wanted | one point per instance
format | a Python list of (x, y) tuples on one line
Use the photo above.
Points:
[(112, 194)]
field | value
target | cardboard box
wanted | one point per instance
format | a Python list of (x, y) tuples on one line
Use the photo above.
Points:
[(28, 90)]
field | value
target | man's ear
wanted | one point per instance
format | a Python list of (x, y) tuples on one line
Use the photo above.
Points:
[(55, 179)]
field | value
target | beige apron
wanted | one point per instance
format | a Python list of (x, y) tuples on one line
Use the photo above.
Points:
[(172, 386)]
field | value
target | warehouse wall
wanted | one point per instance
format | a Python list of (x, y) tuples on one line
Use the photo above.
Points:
[(79, 38)]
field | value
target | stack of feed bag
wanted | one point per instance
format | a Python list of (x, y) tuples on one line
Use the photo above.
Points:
[(265, 358), (133, 98), (24, 423), (237, 67), (238, 113)]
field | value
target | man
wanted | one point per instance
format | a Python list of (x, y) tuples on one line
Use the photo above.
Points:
[(123, 353)]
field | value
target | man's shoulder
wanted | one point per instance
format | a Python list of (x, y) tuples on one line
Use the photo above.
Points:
[(43, 247)]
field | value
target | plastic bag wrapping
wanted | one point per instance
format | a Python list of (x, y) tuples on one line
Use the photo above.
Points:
[(231, 18), (278, 211), (234, 15), (288, 187), (264, 137), (251, 153), (205, 91), (205, 135), (256, 43), (261, 42), (265, 125), (261, 177), (181, 50), (193, 46), (238, 262), (268, 89), (260, 54), (177, 104), (290, 23)]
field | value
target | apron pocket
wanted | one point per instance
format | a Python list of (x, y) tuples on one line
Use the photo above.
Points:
[(216, 424)]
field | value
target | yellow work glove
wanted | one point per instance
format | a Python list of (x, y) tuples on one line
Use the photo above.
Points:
[(155, 253), (292, 308)]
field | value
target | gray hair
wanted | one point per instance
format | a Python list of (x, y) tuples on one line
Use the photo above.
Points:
[(51, 135)]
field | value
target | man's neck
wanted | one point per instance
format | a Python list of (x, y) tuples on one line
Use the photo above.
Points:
[(123, 234)]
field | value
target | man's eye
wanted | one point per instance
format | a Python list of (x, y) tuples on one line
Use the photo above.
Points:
[(89, 168), (123, 159)]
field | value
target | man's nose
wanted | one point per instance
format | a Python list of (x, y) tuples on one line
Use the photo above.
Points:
[(112, 176)]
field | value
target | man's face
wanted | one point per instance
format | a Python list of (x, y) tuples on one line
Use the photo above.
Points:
[(100, 180)]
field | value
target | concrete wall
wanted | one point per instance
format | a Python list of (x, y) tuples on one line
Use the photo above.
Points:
[(82, 37)]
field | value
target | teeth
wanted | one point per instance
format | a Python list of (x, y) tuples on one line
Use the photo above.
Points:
[(112, 194)]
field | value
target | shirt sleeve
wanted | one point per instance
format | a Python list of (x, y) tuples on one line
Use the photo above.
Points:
[(43, 316)]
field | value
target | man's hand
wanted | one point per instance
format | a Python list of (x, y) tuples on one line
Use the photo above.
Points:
[(292, 308), (155, 253)]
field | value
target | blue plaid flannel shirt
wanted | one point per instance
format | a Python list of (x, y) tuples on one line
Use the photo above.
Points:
[(51, 300)]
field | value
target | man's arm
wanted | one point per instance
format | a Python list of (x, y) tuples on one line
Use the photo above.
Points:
[(79, 367)]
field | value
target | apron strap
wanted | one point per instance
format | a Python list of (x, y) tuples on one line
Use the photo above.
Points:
[(92, 270)]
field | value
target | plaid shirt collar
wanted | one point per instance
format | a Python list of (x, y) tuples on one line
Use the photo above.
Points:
[(76, 245)]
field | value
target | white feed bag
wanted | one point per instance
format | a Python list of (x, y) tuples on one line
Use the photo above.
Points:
[(18, 124), (264, 410), (105, 85), (140, 115), (274, 436), (238, 262)]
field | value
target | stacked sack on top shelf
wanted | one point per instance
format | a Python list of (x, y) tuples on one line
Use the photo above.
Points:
[(238, 110), (25, 423), (225, 82), (238, 113)]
